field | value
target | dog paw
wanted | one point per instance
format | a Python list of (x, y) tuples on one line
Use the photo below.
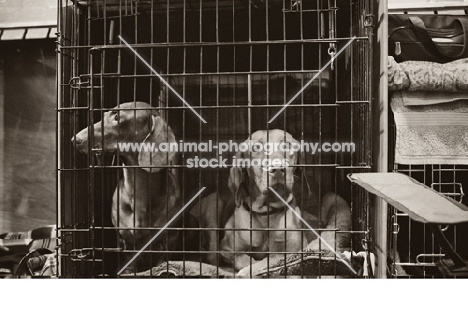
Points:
[(251, 271), (325, 243), (314, 246), (244, 272)]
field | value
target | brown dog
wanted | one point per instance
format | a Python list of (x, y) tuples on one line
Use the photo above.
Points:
[(253, 208), (258, 207), (138, 201)]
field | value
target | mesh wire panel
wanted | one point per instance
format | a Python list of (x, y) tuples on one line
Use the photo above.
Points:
[(413, 249), (237, 63)]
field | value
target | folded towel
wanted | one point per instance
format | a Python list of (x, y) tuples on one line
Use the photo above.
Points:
[(415, 98), (432, 134), (428, 76)]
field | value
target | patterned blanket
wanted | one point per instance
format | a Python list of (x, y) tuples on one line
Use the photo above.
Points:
[(307, 265), (428, 76)]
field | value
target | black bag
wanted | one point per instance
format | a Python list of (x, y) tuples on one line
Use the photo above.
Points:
[(436, 38)]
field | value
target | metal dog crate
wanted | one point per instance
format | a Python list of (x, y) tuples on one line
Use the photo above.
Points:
[(237, 62), (412, 247)]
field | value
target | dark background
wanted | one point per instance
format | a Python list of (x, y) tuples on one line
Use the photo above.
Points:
[(27, 134)]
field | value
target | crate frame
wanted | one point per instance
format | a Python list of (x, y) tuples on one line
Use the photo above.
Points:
[(81, 75)]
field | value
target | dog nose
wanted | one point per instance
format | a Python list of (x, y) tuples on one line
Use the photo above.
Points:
[(76, 141)]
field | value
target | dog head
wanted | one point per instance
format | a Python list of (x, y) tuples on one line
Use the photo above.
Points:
[(256, 170), (130, 122)]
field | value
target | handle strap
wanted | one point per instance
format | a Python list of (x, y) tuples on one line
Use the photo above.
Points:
[(420, 28)]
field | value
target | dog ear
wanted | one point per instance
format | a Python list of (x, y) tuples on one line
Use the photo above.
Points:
[(159, 133), (300, 160), (299, 155), (302, 171), (236, 178)]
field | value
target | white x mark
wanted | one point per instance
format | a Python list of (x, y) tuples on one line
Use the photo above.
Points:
[(161, 230), (162, 80), (313, 230), (311, 80)]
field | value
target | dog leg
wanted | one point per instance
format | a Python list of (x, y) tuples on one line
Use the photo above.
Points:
[(313, 222), (289, 241), (209, 213), (238, 261), (335, 214)]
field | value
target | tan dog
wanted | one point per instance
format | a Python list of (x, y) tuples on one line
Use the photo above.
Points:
[(259, 207), (138, 200), (253, 206)]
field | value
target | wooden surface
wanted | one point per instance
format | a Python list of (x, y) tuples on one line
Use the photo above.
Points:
[(380, 151), (27, 139)]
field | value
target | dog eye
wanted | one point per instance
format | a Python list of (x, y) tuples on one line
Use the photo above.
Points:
[(287, 146), (116, 117)]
